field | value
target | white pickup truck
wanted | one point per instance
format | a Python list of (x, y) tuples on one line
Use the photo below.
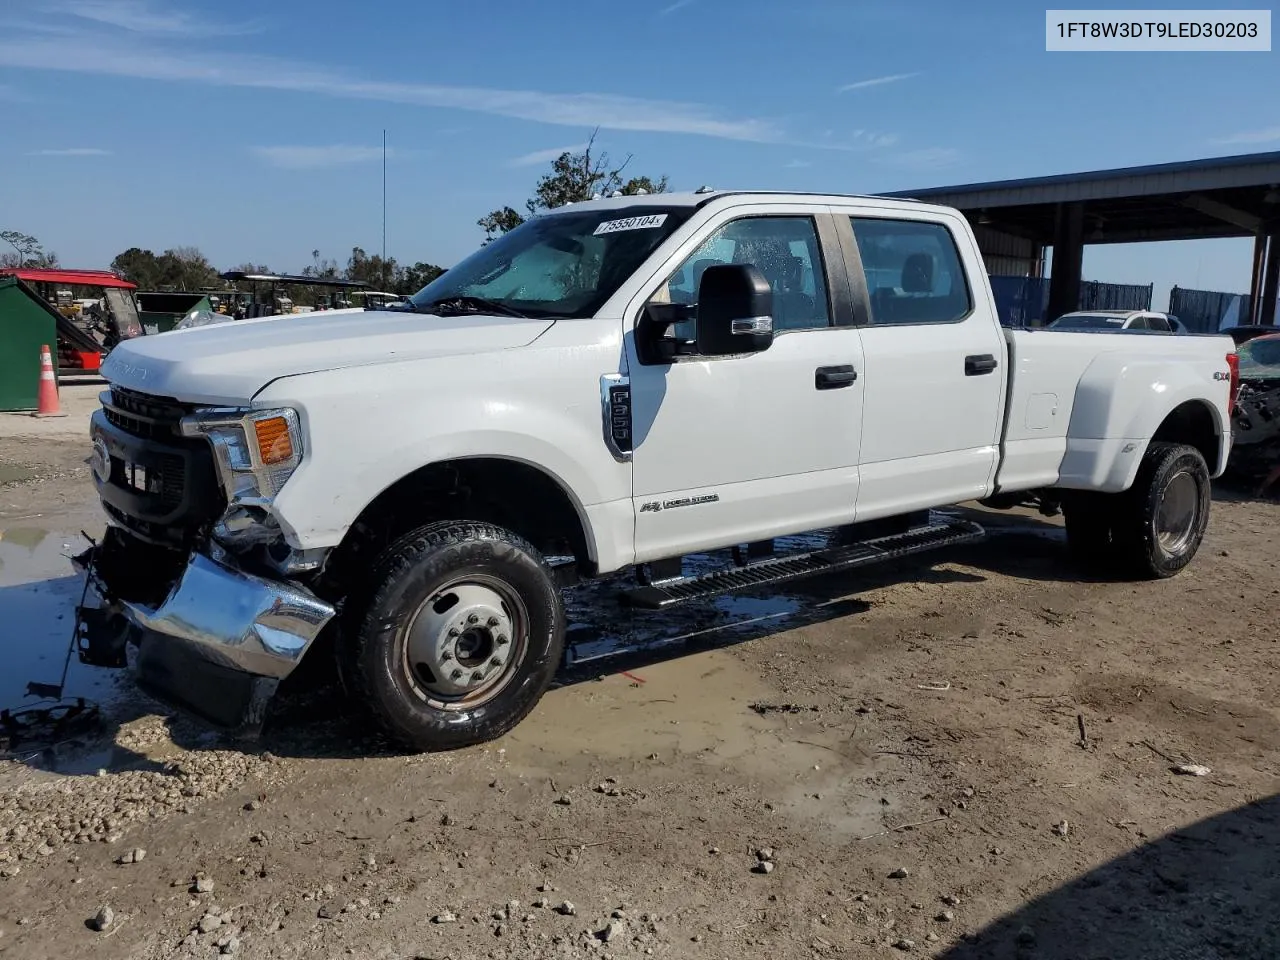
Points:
[(620, 382)]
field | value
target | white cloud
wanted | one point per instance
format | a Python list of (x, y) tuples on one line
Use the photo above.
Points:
[(880, 139), (672, 8), (876, 82), (926, 158), (1267, 135), (128, 38), (539, 157), (798, 164), (317, 157), (71, 152), (121, 56), (138, 16), (854, 141)]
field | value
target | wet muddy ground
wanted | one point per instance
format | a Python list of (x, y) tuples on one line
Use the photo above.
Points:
[(965, 755)]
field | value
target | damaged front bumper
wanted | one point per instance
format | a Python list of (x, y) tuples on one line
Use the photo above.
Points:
[(219, 643)]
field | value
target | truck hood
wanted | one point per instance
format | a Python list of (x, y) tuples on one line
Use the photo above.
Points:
[(227, 363)]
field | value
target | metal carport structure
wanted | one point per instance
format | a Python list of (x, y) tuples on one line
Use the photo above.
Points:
[(1015, 220)]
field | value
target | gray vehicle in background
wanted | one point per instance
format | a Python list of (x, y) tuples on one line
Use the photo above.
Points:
[(1117, 321)]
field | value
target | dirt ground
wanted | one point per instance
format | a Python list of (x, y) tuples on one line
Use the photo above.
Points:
[(966, 756)]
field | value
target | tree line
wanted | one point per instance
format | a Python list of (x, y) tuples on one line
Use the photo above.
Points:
[(186, 268), (573, 177)]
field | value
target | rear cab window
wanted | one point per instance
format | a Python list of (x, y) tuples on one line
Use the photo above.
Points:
[(913, 271)]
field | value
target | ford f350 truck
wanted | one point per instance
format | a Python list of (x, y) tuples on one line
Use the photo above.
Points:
[(622, 382)]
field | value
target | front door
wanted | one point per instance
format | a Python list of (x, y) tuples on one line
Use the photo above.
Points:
[(935, 373), (729, 450)]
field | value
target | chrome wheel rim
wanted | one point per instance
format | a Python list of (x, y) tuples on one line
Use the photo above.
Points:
[(1179, 514), (465, 642)]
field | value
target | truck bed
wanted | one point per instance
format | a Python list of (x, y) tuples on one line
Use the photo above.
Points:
[(1075, 401)]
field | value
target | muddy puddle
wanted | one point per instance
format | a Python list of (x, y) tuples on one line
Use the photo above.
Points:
[(602, 625), (700, 707), (38, 593), (644, 687), (16, 473)]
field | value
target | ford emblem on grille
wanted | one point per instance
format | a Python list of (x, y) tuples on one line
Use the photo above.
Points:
[(100, 460)]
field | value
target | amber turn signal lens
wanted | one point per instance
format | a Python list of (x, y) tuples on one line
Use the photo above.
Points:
[(274, 445)]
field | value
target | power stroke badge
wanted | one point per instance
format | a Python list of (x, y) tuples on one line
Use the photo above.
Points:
[(656, 506)]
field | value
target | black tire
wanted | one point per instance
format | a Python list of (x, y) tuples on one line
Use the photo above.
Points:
[(1161, 520), (405, 698), (1089, 519)]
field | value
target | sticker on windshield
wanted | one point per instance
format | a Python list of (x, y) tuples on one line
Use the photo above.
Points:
[(631, 223)]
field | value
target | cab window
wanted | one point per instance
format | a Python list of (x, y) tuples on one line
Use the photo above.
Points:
[(785, 249)]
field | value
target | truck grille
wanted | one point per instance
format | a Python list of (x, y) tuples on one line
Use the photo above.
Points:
[(163, 479), (162, 486), (145, 416)]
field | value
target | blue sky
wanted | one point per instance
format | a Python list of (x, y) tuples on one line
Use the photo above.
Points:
[(253, 130)]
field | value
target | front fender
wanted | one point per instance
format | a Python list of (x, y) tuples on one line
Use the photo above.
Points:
[(365, 430), (1120, 403)]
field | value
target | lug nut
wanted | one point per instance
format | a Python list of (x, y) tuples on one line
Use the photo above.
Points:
[(453, 631), (496, 662), (473, 618), (477, 677), (446, 656), (501, 638), (456, 675), (493, 621)]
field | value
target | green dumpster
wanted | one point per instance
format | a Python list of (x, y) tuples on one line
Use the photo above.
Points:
[(27, 323), (160, 311)]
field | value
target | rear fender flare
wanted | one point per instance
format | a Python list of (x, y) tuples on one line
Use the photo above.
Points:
[(1123, 400)]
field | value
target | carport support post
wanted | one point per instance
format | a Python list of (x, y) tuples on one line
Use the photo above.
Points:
[(1267, 312), (1068, 260), (1255, 282)]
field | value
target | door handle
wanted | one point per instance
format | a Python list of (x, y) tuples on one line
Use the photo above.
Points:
[(833, 378), (978, 364)]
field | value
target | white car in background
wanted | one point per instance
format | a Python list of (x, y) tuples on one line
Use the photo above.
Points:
[(1116, 321)]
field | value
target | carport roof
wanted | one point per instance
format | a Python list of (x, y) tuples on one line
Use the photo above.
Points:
[(80, 278), (1196, 199)]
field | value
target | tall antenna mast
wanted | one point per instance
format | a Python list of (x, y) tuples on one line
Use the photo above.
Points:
[(384, 198)]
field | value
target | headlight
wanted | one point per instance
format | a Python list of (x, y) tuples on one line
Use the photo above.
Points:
[(256, 452)]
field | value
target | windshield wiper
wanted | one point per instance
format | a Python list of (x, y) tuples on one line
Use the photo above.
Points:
[(468, 304)]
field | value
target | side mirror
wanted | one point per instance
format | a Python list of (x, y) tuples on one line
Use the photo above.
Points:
[(735, 310)]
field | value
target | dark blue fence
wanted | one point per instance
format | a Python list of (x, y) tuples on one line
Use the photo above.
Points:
[(1020, 301), (1205, 311), (1023, 301)]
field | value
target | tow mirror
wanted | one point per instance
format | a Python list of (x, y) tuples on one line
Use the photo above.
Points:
[(735, 310)]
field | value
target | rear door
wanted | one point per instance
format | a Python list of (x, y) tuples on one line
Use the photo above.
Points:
[(934, 356)]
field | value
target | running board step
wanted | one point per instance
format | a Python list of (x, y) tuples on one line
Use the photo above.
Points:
[(659, 596)]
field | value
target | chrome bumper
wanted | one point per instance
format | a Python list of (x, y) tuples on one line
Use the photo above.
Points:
[(235, 619)]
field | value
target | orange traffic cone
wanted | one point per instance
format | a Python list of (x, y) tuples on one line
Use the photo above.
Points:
[(47, 398)]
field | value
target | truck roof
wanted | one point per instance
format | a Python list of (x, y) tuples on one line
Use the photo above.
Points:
[(1125, 314), (698, 198)]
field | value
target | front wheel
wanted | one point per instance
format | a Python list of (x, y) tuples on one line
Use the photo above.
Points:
[(1161, 520), (461, 637)]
